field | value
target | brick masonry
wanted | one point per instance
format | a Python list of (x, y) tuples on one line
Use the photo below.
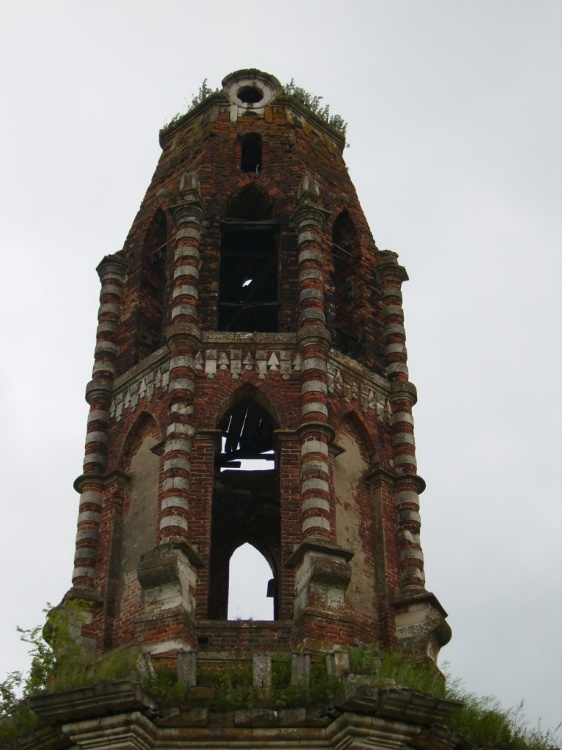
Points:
[(338, 516)]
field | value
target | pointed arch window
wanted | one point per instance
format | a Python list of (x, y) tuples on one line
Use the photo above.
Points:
[(246, 502), (150, 328), (344, 255), (248, 280), (255, 601)]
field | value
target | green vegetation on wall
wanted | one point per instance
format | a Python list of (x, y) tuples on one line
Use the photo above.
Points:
[(58, 665), (312, 102)]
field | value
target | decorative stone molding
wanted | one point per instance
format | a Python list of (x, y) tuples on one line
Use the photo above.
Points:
[(263, 362), (166, 576), (119, 714), (250, 91)]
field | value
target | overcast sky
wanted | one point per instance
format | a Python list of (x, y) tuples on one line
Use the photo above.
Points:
[(454, 129)]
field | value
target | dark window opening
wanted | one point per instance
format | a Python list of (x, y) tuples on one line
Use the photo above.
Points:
[(247, 435), (344, 240), (246, 503), (158, 255), (248, 278), (251, 153), (344, 255), (250, 94), (151, 300)]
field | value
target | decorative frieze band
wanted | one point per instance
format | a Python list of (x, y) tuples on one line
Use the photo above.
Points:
[(262, 362), (368, 398)]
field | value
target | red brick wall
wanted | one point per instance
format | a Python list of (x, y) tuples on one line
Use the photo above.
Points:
[(357, 389)]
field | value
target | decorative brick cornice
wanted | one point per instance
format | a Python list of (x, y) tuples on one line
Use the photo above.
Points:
[(83, 479), (320, 546), (183, 333), (112, 266), (321, 427), (403, 389), (414, 479), (317, 335), (387, 266), (188, 212), (98, 388)]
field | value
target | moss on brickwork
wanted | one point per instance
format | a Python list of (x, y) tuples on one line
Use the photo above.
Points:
[(480, 722)]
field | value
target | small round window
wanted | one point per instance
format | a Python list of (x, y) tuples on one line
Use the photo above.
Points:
[(250, 94)]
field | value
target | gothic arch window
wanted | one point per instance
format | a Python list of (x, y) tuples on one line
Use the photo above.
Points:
[(136, 517), (344, 256), (255, 602), (150, 330), (354, 510), (248, 277), (251, 153), (246, 501)]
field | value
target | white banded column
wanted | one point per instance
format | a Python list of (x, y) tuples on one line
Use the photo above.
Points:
[(183, 338), (112, 271), (403, 396), (314, 342)]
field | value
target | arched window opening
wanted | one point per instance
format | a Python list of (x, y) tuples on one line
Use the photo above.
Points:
[(250, 591), (246, 499), (250, 94), (344, 254), (151, 308), (247, 442), (136, 517), (251, 153), (248, 281)]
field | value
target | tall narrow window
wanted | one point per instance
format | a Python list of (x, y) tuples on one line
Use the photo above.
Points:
[(248, 283), (151, 300), (246, 501), (136, 518), (344, 254), (251, 153)]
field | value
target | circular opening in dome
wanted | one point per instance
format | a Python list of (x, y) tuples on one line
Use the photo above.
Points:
[(250, 94)]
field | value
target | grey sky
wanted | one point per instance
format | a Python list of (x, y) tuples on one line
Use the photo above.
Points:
[(454, 125)]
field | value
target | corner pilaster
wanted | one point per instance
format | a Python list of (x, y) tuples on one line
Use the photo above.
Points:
[(112, 272), (407, 485), (314, 343), (183, 337)]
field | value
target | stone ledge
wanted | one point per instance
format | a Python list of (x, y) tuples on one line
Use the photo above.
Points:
[(321, 546), (102, 699), (107, 712)]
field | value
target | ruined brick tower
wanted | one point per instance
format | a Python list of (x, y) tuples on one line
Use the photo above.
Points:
[(250, 315)]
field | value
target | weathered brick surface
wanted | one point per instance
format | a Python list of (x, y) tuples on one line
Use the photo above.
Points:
[(165, 378)]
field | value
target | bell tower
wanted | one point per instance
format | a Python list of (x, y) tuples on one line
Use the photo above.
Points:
[(250, 317)]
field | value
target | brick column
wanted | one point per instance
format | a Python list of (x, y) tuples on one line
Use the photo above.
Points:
[(403, 396), (183, 338), (314, 342), (112, 271), (322, 570)]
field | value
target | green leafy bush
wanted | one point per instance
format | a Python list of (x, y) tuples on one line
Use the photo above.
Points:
[(196, 99), (482, 722), (386, 667), (313, 103), (47, 656)]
